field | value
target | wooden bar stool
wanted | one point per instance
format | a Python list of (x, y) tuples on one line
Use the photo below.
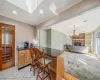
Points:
[(35, 56), (43, 71), (34, 64)]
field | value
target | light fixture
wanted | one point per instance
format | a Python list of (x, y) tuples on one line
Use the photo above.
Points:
[(74, 34), (41, 11), (53, 8), (74, 30), (15, 12)]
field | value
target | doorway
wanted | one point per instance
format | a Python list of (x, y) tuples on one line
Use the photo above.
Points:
[(7, 46)]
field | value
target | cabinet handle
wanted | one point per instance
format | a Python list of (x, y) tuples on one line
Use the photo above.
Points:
[(22, 54)]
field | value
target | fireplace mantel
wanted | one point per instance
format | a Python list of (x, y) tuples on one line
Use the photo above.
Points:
[(79, 40)]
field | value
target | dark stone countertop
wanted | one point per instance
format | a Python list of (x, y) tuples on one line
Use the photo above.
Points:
[(47, 51), (22, 48), (51, 52)]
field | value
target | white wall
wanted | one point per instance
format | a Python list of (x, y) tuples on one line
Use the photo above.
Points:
[(43, 38), (58, 40), (95, 33), (22, 31), (53, 39)]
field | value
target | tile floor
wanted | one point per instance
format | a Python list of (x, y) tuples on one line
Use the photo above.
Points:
[(15, 74)]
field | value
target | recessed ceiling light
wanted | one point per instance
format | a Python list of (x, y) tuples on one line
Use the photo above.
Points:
[(41, 11), (15, 12)]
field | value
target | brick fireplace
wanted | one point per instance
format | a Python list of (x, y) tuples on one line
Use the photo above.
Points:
[(79, 40)]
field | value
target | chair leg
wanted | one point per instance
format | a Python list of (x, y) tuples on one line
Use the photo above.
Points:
[(49, 75), (42, 77), (31, 67), (38, 73), (43, 74), (34, 71)]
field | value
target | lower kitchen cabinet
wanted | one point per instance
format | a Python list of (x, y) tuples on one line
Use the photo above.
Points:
[(24, 58), (27, 57)]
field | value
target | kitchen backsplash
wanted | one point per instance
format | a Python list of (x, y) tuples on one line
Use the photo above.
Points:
[(20, 43)]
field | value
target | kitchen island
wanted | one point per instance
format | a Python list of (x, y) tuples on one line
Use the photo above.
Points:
[(57, 64)]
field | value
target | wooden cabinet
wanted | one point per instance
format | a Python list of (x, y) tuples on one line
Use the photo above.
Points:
[(24, 58), (7, 46), (21, 59), (27, 57)]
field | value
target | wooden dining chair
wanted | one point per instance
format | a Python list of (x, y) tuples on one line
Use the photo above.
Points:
[(43, 71)]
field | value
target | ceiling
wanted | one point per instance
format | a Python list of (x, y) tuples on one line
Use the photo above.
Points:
[(27, 5), (85, 22), (29, 14)]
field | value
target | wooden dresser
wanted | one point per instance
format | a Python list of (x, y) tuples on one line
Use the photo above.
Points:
[(24, 58)]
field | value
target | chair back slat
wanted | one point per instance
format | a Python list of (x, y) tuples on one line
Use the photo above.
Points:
[(43, 58)]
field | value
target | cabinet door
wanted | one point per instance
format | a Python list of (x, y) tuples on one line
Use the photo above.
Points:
[(27, 57), (21, 59)]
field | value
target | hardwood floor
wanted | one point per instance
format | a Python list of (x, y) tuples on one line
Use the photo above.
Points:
[(53, 76), (69, 77)]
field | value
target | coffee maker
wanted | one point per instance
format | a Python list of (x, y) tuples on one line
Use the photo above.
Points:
[(26, 44)]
